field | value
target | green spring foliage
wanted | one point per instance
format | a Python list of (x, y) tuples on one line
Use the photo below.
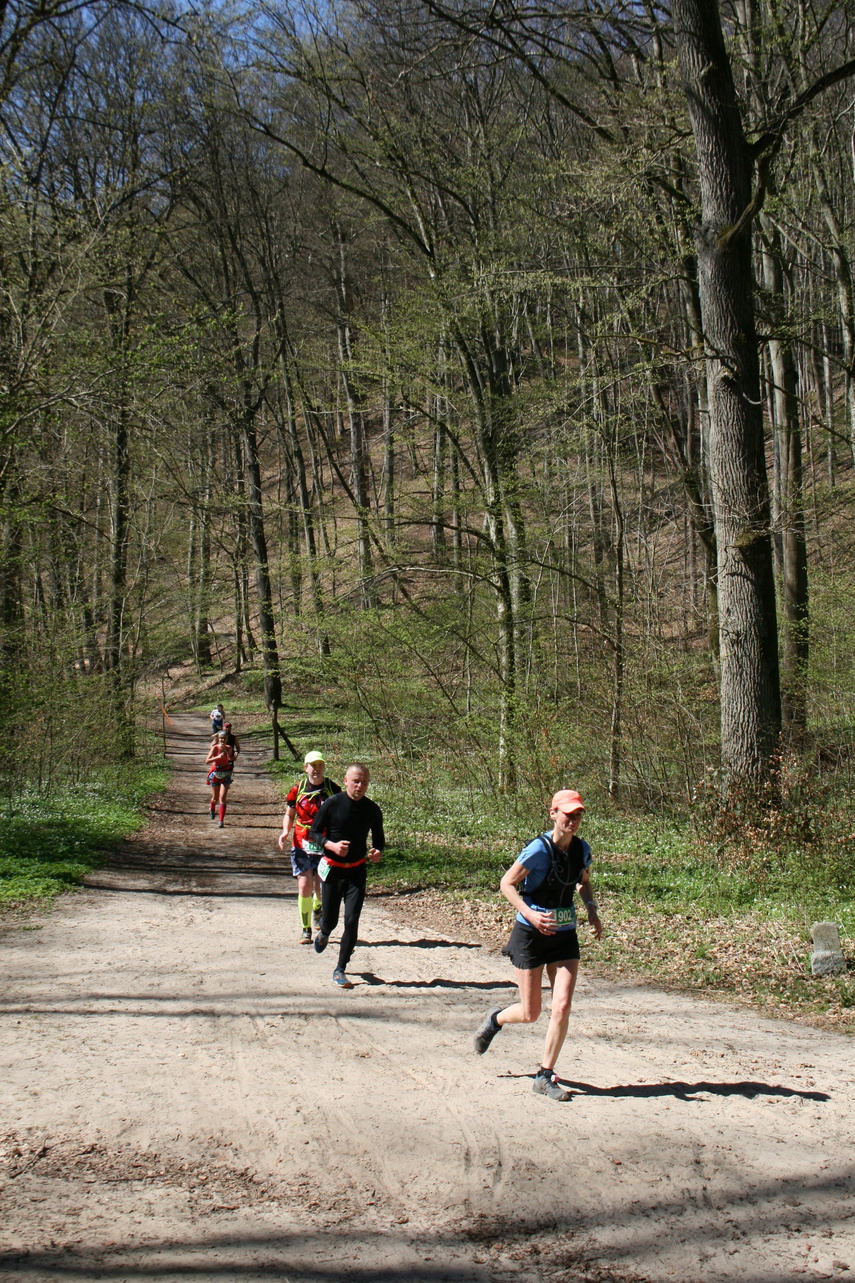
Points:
[(51, 841)]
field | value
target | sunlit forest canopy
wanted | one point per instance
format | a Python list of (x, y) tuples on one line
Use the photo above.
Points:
[(486, 372)]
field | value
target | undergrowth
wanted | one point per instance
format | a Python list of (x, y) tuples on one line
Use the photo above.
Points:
[(50, 841)]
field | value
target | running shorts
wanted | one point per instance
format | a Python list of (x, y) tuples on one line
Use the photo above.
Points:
[(528, 948), (302, 862), (219, 777)]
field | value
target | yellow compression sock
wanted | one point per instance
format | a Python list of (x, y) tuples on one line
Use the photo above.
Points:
[(304, 904), (316, 905)]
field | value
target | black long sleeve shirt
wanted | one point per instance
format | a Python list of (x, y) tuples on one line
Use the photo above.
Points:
[(340, 819)]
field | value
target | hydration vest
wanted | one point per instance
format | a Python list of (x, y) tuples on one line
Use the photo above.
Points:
[(326, 790), (565, 871)]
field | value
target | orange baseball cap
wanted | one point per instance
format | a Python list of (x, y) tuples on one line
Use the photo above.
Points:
[(567, 800)]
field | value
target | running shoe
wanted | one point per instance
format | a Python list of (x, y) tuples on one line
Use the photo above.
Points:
[(321, 942), (548, 1085), (221, 825), (340, 979), (213, 813), (306, 937), (487, 1031), (316, 918)]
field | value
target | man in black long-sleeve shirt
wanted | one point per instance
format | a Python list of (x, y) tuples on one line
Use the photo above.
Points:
[(341, 828)]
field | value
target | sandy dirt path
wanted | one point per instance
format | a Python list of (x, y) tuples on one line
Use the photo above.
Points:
[(185, 1095)]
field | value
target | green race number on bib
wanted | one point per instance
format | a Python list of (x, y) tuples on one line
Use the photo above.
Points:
[(565, 917)]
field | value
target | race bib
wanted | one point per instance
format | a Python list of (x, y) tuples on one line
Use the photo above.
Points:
[(565, 917), (323, 869)]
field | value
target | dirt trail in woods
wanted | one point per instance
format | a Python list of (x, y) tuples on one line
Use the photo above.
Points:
[(185, 1095)]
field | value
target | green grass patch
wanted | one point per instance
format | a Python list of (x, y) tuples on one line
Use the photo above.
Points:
[(50, 841)]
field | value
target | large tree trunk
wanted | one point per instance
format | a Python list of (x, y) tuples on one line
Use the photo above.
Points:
[(750, 683)]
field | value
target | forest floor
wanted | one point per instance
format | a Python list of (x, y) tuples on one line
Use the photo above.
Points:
[(184, 1094)]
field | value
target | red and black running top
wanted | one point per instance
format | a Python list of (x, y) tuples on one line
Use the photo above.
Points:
[(306, 800)]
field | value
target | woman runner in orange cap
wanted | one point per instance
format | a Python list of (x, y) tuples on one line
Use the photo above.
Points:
[(540, 885)]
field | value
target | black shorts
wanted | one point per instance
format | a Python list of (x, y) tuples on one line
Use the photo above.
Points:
[(302, 862), (528, 948)]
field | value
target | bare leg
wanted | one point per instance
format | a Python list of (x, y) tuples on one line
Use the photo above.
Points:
[(562, 978), (527, 1010)]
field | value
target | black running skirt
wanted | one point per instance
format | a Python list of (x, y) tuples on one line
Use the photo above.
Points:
[(528, 948)]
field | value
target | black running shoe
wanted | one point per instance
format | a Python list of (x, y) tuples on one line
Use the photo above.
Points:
[(548, 1085), (306, 937), (321, 942), (487, 1031)]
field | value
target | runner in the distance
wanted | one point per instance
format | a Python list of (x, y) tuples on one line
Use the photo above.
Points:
[(218, 716), (341, 830), (221, 760), (544, 935), (301, 806)]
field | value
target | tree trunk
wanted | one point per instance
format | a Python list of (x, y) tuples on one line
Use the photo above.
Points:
[(438, 486), (203, 586), (305, 503), (11, 606), (616, 727), (356, 425), (750, 683), (500, 577), (794, 569), (119, 524), (264, 593), (388, 468), (845, 291)]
